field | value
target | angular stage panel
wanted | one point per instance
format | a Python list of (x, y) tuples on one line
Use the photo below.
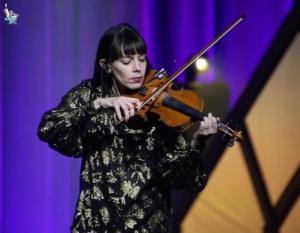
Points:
[(229, 203)]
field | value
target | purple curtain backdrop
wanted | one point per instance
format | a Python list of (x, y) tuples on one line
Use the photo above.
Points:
[(53, 47)]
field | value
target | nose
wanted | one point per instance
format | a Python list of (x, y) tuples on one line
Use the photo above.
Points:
[(136, 65)]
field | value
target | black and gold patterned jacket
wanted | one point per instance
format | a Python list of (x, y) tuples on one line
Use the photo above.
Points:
[(127, 169)]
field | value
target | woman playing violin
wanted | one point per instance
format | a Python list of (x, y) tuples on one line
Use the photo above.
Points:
[(128, 165)]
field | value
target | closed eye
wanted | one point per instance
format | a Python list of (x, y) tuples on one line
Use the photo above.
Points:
[(142, 58), (126, 60)]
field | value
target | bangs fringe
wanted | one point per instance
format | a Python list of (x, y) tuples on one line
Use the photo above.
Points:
[(127, 43)]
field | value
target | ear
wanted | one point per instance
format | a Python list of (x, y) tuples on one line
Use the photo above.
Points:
[(103, 64), (108, 68)]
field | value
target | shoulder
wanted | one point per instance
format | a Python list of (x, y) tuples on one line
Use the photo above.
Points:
[(81, 91), (83, 88)]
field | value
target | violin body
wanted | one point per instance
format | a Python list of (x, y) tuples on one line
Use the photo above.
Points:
[(169, 105), (177, 108)]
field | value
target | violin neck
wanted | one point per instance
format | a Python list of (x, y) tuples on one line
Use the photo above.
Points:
[(198, 115), (183, 108)]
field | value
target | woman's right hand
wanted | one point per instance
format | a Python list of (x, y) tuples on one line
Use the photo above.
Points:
[(125, 107)]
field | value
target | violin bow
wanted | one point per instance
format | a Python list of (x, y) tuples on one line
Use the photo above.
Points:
[(191, 61)]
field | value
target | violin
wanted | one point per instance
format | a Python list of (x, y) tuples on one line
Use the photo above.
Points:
[(178, 108)]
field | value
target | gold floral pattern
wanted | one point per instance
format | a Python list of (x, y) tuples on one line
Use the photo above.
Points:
[(123, 167), (130, 189), (104, 215), (130, 223)]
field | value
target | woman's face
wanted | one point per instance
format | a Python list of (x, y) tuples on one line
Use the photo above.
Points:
[(129, 71)]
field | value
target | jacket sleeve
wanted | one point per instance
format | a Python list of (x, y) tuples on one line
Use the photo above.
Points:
[(66, 127), (182, 165)]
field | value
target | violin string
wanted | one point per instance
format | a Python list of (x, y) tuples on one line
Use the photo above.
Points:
[(224, 128), (177, 105), (168, 101), (164, 95)]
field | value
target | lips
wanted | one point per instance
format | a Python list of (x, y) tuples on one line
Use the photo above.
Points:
[(136, 80)]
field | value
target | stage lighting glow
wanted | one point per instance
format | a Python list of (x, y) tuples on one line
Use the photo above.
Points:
[(202, 64)]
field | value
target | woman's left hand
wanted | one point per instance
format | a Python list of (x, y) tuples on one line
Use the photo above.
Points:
[(208, 126)]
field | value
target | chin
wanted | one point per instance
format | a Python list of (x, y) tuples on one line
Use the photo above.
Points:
[(134, 86)]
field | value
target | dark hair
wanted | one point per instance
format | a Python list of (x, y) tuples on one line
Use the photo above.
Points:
[(116, 42)]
